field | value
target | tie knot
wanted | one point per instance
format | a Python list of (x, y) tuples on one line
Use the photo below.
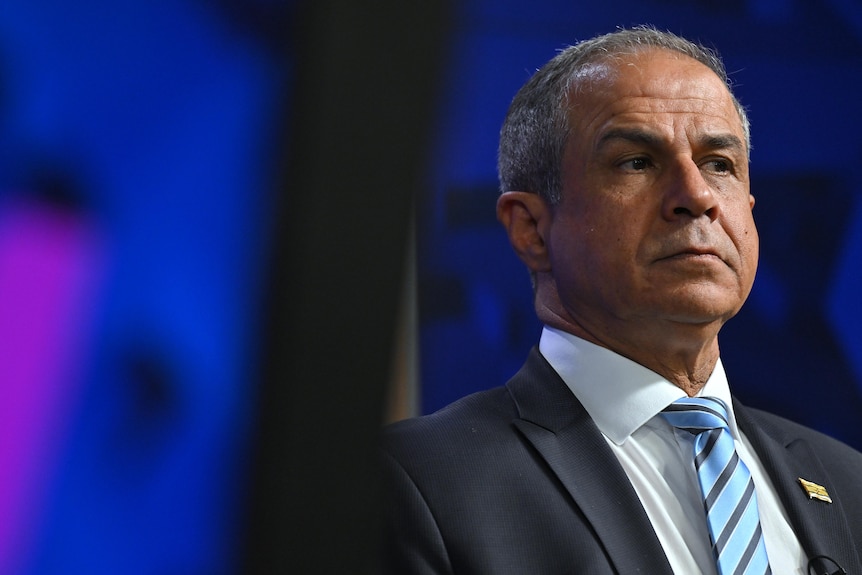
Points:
[(696, 414)]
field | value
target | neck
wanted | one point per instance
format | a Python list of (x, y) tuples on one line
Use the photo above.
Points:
[(684, 354)]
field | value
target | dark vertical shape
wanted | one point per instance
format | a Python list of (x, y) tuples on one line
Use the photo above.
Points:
[(364, 94)]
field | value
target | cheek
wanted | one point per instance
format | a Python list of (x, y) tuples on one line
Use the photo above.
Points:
[(753, 248), (748, 228), (601, 236), (573, 253), (743, 234)]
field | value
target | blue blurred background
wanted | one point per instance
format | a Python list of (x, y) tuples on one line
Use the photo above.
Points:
[(142, 150)]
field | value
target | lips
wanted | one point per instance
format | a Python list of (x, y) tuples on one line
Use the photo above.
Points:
[(693, 255), (688, 251), (694, 243), (697, 252)]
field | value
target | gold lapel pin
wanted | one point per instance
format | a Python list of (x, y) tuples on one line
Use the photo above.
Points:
[(815, 491)]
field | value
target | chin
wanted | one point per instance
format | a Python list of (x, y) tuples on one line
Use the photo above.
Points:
[(699, 309), (700, 316)]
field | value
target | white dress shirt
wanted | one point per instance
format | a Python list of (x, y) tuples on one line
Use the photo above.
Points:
[(624, 399)]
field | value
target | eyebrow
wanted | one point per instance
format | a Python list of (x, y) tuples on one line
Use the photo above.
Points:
[(634, 135), (722, 142), (639, 136)]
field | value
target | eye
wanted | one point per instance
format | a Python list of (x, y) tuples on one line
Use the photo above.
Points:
[(636, 164), (718, 166)]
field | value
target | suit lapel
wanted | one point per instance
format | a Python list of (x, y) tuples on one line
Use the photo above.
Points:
[(821, 527), (562, 432)]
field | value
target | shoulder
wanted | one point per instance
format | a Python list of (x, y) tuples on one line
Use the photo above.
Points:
[(831, 450), (432, 467), (472, 440), (482, 424), (466, 424)]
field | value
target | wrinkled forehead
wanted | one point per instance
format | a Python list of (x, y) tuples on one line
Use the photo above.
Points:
[(658, 75), (668, 95), (643, 65)]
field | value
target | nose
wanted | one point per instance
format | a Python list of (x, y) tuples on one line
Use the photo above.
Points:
[(688, 194)]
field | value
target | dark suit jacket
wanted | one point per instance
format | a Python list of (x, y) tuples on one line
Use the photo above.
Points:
[(518, 480)]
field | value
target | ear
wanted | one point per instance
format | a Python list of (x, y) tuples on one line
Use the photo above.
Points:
[(527, 219)]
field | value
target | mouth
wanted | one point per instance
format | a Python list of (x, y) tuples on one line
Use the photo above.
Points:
[(694, 254)]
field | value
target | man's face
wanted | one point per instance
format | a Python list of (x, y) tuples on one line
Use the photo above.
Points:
[(655, 220)]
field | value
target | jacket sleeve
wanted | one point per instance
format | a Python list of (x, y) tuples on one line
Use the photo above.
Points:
[(413, 544)]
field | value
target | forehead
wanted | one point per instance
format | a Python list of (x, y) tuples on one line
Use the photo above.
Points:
[(653, 86)]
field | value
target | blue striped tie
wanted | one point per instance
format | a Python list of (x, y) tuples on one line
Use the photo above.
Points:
[(725, 485)]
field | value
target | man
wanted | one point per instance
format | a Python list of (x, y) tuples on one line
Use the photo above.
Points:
[(624, 170)]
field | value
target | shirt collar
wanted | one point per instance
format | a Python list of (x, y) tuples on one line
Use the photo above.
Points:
[(618, 393)]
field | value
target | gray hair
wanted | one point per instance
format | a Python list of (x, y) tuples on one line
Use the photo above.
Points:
[(536, 128)]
